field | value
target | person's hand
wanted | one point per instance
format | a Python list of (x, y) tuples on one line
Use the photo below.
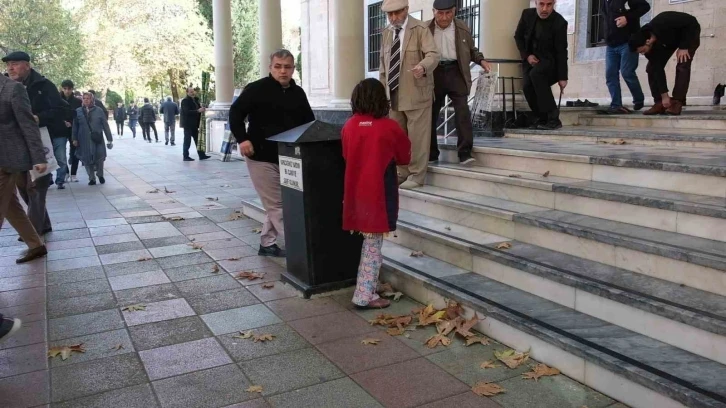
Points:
[(200, 110), (532, 60), (109, 145), (37, 119), (75, 143), (68, 124), (621, 21), (486, 66), (683, 56), (666, 101), (562, 84), (418, 71), (246, 148), (40, 168)]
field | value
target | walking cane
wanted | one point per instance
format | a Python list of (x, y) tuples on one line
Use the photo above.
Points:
[(559, 104)]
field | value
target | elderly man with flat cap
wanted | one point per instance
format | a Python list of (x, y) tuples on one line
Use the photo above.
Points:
[(408, 60), (452, 77)]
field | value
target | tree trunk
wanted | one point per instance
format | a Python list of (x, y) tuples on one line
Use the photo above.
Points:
[(173, 84)]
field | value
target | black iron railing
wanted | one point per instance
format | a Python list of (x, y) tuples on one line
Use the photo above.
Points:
[(468, 11), (596, 30), (376, 23)]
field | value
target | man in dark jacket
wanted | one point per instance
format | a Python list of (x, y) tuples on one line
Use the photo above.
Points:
[(668, 33), (170, 111), (271, 105), (74, 103), (541, 38), (622, 19), (133, 113), (191, 116), (147, 118), (119, 115)]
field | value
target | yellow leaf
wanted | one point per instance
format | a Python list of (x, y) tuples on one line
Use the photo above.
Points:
[(511, 358), (464, 328), (370, 342), (504, 245), (540, 370), (417, 254), (257, 230), (473, 340), (254, 388), (244, 335), (395, 331), (263, 338), (488, 364), (395, 295), (437, 339), (447, 326), (134, 308), (487, 389), (65, 351)]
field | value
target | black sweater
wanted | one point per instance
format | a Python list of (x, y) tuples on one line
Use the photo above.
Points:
[(552, 45), (270, 110), (612, 9), (674, 29)]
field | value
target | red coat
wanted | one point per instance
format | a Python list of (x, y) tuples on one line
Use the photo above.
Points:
[(372, 148)]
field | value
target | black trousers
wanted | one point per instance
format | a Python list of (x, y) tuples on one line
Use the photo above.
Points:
[(448, 81), (73, 160), (538, 81), (146, 130), (657, 60), (190, 134), (120, 127)]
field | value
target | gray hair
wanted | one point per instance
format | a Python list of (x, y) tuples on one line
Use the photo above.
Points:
[(168, 98), (90, 94), (282, 54)]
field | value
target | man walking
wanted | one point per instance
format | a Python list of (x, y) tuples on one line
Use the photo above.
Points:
[(668, 33), (119, 115), (133, 113), (191, 116), (147, 117), (541, 38), (272, 105), (408, 60), (452, 77), (74, 103), (170, 111)]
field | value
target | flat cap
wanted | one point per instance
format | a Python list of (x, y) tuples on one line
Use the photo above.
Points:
[(393, 5), (16, 56), (444, 4)]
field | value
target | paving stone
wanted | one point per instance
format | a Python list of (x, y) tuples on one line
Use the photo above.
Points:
[(558, 391), (111, 230), (145, 219), (214, 283), (290, 371), (70, 225), (81, 304), (286, 339), (115, 239), (30, 333), (466, 400), (26, 390), (155, 230), (22, 282), (208, 388), (27, 313), (188, 259), (105, 222), (241, 251), (76, 263), (183, 358), (84, 288), (138, 396), (168, 332), (204, 228), (279, 291), (334, 394), (147, 294), (244, 318), (96, 376), (159, 311), (69, 244), (75, 275), (173, 250), (210, 236), (247, 264), (138, 280), (193, 222), (188, 272), (224, 300), (352, 356), (67, 235), (13, 270), (330, 327), (247, 224), (143, 213), (22, 297), (166, 241), (55, 255), (298, 308), (24, 359), (123, 257), (88, 323), (99, 345), (417, 382), (223, 244), (120, 247), (258, 403), (130, 268), (463, 363)]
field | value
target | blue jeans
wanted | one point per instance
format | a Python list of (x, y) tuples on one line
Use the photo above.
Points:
[(620, 60), (59, 150)]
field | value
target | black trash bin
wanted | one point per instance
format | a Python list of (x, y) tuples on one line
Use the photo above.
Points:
[(320, 255)]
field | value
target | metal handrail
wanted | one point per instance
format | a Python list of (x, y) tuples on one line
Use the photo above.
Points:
[(501, 89)]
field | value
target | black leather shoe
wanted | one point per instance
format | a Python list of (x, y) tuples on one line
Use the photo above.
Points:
[(188, 159), (204, 157), (552, 124), (101, 180), (638, 106), (92, 183), (32, 254), (272, 250)]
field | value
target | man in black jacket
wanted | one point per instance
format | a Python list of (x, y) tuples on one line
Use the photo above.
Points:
[(170, 110), (541, 38), (147, 118), (119, 116), (74, 103), (189, 119), (622, 19), (669, 32), (271, 105)]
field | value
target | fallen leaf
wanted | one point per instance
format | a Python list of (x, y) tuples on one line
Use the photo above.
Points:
[(235, 216), (417, 254), (512, 358), (215, 268), (384, 287), (515, 176), (546, 174), (268, 286), (154, 191), (257, 230), (437, 339), (488, 364), (370, 342), (487, 389), (447, 326), (395, 295), (476, 339), (263, 338), (244, 335), (213, 198), (540, 370), (464, 329), (134, 308), (144, 259), (196, 246), (447, 228), (429, 315), (453, 310), (504, 245), (174, 218), (117, 347), (254, 388), (234, 259), (250, 275), (65, 351), (396, 331), (166, 190), (618, 142)]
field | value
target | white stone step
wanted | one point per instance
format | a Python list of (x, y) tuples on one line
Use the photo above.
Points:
[(688, 120)]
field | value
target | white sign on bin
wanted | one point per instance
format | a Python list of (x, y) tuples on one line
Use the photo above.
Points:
[(291, 173)]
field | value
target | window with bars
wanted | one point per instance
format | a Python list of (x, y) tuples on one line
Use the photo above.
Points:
[(597, 24), (376, 23), (468, 11)]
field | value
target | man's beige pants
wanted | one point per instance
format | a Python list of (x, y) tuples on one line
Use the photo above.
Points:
[(11, 209), (417, 123), (266, 179)]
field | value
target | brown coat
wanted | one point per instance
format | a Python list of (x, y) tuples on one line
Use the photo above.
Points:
[(466, 51), (419, 49)]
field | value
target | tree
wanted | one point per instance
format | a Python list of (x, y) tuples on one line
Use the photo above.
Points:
[(112, 98), (47, 32)]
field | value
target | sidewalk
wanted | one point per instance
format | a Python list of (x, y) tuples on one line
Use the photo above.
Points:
[(133, 241)]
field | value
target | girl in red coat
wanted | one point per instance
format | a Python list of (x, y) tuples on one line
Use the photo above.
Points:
[(373, 145)]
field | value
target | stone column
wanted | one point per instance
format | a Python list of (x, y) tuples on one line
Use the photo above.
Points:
[(348, 48), (499, 20), (223, 64), (270, 32)]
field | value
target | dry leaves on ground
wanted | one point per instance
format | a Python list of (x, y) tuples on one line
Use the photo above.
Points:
[(235, 216), (546, 174), (65, 351), (263, 338), (196, 246), (370, 342), (429, 315), (464, 328), (476, 339), (515, 176), (244, 335), (117, 347), (504, 245), (174, 218), (436, 339), (417, 254), (166, 190), (134, 308), (540, 370), (447, 228), (212, 198), (618, 142), (236, 258), (384, 287), (154, 191), (487, 389), (250, 275), (268, 286), (254, 388), (488, 364), (215, 268), (395, 295), (512, 358), (257, 230), (144, 259)]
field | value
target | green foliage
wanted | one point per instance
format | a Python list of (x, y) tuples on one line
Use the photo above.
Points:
[(112, 98), (47, 32), (129, 97)]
